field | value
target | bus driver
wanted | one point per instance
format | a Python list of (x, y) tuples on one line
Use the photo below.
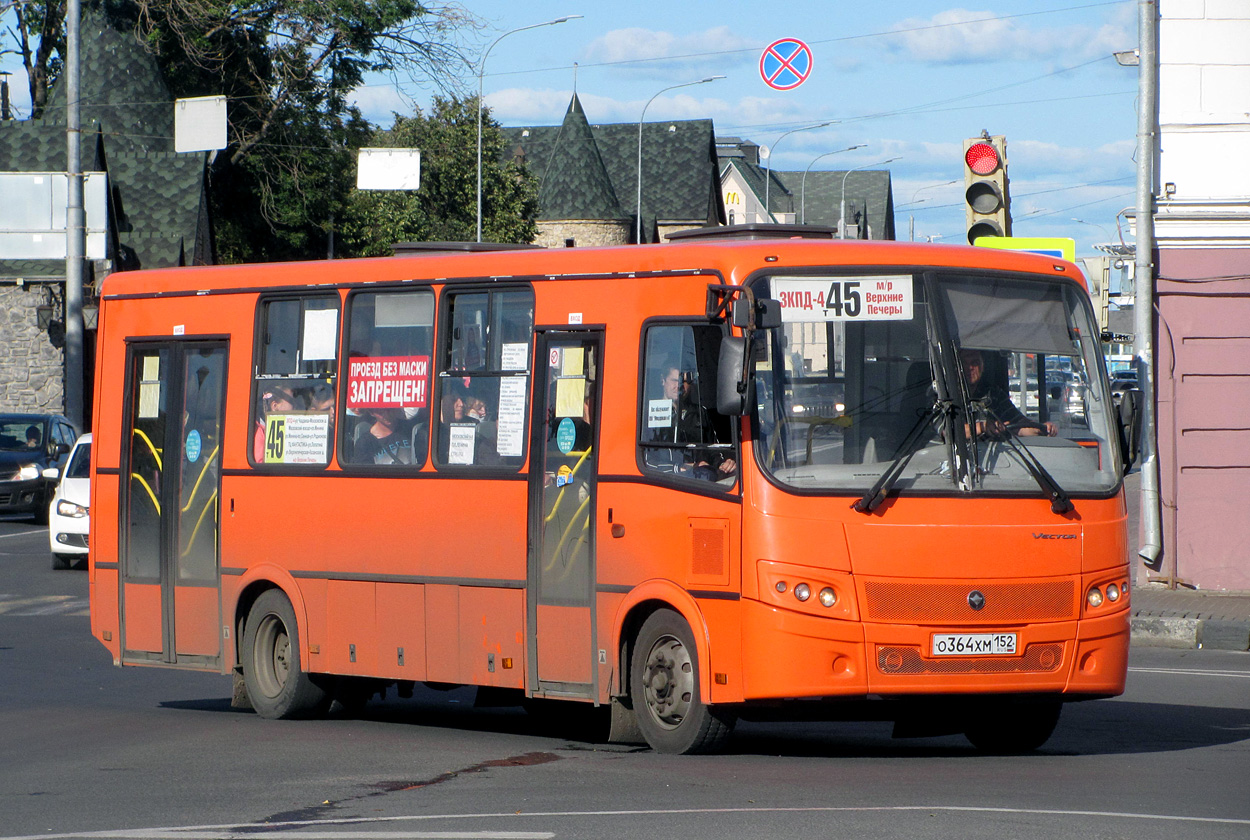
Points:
[(1004, 416)]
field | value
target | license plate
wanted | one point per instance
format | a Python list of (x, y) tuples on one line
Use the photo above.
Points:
[(974, 644)]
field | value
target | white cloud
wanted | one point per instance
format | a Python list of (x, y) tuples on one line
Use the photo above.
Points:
[(378, 102), (638, 43), (964, 36)]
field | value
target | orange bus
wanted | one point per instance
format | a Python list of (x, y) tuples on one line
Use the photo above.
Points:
[(729, 476)]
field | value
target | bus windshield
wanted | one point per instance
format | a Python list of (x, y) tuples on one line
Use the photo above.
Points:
[(996, 374)]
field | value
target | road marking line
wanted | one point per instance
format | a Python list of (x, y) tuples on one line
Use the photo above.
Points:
[(43, 605), (1243, 675), (289, 829), (21, 534)]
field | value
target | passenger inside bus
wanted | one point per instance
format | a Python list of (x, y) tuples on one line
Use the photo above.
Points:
[(387, 440), (1004, 416), (688, 423), (276, 399)]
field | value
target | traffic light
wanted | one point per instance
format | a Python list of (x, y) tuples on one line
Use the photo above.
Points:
[(987, 202)]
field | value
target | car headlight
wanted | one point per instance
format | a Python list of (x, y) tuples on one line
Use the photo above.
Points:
[(26, 472), (67, 508)]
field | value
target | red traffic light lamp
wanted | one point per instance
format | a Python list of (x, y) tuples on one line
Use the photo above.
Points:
[(986, 196)]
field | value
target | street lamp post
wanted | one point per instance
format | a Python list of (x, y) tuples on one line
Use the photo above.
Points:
[(1100, 227), (481, 69), (803, 181), (768, 169), (911, 221), (842, 202), (638, 209)]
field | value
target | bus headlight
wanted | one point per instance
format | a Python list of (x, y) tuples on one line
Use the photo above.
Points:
[(827, 597), (1094, 598), (802, 591), (1113, 592)]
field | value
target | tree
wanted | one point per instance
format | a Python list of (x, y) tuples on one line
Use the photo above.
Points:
[(444, 208), (265, 53), (287, 67), (39, 31)]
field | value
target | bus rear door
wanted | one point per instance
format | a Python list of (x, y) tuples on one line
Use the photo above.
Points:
[(171, 465)]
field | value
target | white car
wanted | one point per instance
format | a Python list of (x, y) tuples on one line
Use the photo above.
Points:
[(68, 514)]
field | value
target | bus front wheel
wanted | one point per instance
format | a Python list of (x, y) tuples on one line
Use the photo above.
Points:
[(664, 688), (276, 684), (1011, 728)]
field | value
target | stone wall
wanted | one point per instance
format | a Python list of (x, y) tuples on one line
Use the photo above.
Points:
[(666, 228), (585, 233), (31, 359)]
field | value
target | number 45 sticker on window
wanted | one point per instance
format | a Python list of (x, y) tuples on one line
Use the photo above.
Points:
[(867, 298)]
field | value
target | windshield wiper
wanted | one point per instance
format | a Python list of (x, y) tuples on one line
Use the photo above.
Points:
[(1060, 502), (871, 500)]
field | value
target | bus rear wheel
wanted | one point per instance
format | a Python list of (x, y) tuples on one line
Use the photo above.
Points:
[(276, 683), (1013, 727), (664, 688)]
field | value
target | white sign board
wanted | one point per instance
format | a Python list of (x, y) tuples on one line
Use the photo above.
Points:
[(848, 298), (33, 213), (388, 169), (200, 124)]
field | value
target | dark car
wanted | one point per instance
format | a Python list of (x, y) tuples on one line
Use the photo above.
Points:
[(1123, 379), (30, 444)]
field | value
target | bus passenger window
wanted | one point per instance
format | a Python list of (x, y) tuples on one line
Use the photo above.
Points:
[(484, 382), (386, 416), (295, 381), (681, 432)]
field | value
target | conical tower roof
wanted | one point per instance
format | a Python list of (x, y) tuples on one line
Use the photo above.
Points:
[(120, 87), (575, 184)]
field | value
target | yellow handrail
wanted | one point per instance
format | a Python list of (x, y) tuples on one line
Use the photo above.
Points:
[(155, 452), (204, 469), (200, 521), (560, 496), (152, 495)]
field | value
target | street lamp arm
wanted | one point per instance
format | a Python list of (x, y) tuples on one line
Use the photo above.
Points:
[(842, 203), (481, 70), (643, 116), (768, 170), (803, 181)]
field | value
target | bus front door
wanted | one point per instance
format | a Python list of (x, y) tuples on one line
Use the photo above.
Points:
[(563, 469), (171, 466)]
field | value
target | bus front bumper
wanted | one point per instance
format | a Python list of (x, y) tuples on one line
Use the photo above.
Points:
[(788, 654)]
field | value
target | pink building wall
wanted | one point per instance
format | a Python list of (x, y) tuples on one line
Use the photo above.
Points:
[(1202, 382)]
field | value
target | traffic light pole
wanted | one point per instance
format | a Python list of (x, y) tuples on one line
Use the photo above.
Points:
[(1144, 279)]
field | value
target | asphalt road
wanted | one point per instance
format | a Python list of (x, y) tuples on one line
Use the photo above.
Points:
[(90, 750)]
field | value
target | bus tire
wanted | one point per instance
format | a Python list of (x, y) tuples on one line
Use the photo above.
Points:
[(1012, 728), (664, 689), (277, 685)]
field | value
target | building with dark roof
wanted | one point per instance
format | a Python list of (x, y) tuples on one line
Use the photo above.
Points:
[(156, 203), (815, 197), (588, 178)]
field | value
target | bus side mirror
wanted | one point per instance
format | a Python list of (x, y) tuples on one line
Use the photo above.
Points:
[(731, 377), (767, 313), (1128, 411)]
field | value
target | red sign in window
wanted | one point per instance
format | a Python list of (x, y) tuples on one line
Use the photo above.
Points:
[(388, 382)]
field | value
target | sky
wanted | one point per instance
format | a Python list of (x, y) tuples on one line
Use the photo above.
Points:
[(908, 79)]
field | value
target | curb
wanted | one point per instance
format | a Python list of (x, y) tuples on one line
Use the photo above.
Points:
[(1191, 633)]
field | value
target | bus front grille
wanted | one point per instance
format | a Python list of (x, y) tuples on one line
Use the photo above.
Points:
[(949, 603), (907, 660)]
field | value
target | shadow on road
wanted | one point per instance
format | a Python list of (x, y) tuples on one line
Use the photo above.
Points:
[(1104, 727)]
